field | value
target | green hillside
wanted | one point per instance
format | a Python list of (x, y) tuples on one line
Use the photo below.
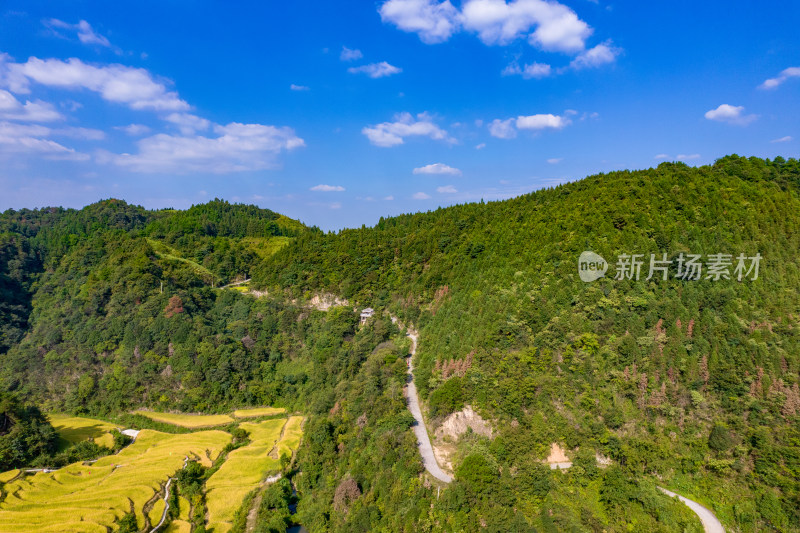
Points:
[(687, 384)]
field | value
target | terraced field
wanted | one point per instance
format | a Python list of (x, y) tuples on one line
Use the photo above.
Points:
[(74, 429), (258, 411), (89, 498), (246, 468), (187, 420)]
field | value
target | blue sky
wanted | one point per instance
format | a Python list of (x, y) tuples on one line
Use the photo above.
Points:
[(337, 113)]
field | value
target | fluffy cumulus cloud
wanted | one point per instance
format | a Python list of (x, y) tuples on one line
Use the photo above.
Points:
[(507, 129), (84, 30), (187, 123), (350, 55), (601, 54), (533, 70), (772, 83), (421, 196), (134, 87), (433, 21), (548, 25), (502, 129), (36, 111), (327, 188), (388, 134), (236, 147), (730, 114), (376, 70), (438, 168), (542, 122), (447, 189), (558, 28)]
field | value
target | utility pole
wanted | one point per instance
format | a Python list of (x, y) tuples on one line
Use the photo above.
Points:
[(162, 287)]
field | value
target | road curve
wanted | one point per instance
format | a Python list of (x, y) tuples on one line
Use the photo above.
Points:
[(423, 440), (710, 522)]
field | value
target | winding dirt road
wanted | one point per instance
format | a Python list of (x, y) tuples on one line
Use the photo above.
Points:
[(423, 440), (710, 522)]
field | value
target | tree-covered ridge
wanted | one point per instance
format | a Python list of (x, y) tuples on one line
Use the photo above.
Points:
[(641, 371), (691, 383)]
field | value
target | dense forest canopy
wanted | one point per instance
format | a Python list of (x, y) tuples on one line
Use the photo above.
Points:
[(690, 382)]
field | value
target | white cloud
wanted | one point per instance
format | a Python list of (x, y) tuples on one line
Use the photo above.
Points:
[(594, 57), (432, 20), (772, 83), (555, 160), (480, 146), (335, 205), (502, 129), (558, 28), (388, 198), (730, 114), (438, 168), (534, 70), (661, 156), (134, 87), (27, 139), (447, 189), (546, 24), (187, 123), (393, 133), (299, 87), (237, 147), (350, 55), (86, 34), (327, 188), (36, 111), (421, 196), (376, 70), (541, 122), (507, 129), (786, 139), (685, 157), (134, 130)]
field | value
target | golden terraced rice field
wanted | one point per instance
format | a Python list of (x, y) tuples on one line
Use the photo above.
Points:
[(187, 420), (243, 471), (258, 411), (88, 498)]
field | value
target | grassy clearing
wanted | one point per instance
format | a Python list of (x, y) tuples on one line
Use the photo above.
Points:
[(75, 429), (266, 246), (258, 411), (171, 254), (187, 420), (242, 472), (87, 498)]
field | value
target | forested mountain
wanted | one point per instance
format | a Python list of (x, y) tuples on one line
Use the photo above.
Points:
[(691, 383)]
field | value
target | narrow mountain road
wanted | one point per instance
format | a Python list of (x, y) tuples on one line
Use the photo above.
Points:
[(166, 499), (710, 522), (423, 440)]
